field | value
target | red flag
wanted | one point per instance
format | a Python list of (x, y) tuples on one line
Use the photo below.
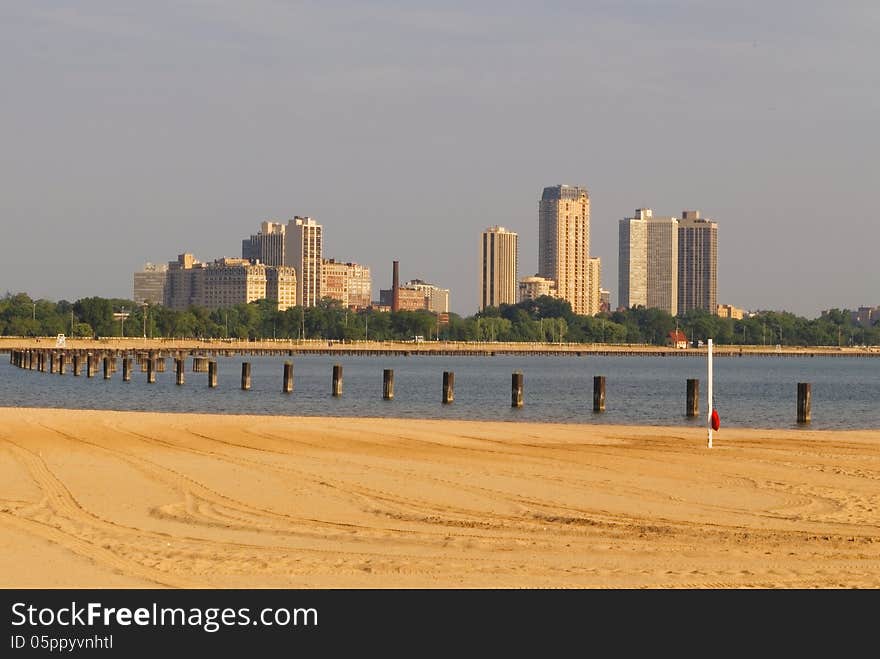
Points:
[(716, 422)]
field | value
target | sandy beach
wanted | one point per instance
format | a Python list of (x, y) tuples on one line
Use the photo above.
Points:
[(124, 499)]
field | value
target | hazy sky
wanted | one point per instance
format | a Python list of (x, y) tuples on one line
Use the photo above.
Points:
[(134, 131)]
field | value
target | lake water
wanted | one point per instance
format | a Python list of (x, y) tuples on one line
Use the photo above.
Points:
[(749, 391)]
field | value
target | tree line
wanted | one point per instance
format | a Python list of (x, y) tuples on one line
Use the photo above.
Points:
[(545, 319)]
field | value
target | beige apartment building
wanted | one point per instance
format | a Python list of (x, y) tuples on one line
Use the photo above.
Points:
[(632, 269), (281, 286), (360, 286), (184, 284), (231, 281), (662, 264), (594, 280), (349, 283), (564, 243), (648, 262), (149, 284), (531, 288), (334, 281), (730, 311), (697, 263), (226, 282), (498, 267), (303, 250), (266, 246)]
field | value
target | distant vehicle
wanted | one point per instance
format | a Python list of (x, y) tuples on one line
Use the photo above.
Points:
[(60, 341), (418, 338)]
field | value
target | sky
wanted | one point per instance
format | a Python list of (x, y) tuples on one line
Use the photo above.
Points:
[(135, 131)]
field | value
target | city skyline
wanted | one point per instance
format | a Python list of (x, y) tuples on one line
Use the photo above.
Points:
[(407, 128)]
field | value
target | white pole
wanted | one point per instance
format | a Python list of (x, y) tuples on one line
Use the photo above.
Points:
[(709, 393)]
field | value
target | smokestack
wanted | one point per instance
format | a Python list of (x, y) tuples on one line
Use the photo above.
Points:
[(395, 287)]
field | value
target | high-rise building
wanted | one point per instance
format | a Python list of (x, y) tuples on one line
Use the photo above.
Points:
[(266, 246), (149, 284), (648, 261), (531, 288), (564, 243), (498, 267), (594, 279), (662, 264), (697, 263), (632, 264), (303, 250)]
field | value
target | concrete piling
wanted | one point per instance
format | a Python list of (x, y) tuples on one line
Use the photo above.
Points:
[(151, 370), (448, 387), (179, 367), (804, 402), (599, 393), (692, 402), (516, 389), (107, 370), (212, 374), (126, 369), (287, 382), (388, 384), (337, 380), (245, 376)]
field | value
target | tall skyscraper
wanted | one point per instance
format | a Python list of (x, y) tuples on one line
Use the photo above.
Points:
[(266, 246), (697, 263), (594, 280), (648, 262), (564, 243), (303, 250), (632, 268), (663, 264), (498, 267)]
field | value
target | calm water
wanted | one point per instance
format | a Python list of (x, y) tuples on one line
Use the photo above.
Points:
[(749, 391)]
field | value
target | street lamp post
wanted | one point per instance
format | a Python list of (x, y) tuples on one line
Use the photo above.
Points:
[(122, 322), (145, 319)]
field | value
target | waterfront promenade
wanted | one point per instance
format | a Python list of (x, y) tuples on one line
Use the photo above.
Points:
[(269, 347)]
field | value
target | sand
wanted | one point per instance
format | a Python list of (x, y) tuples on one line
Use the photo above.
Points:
[(124, 499)]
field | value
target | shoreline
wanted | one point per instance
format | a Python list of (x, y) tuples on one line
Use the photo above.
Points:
[(104, 499), (600, 425)]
